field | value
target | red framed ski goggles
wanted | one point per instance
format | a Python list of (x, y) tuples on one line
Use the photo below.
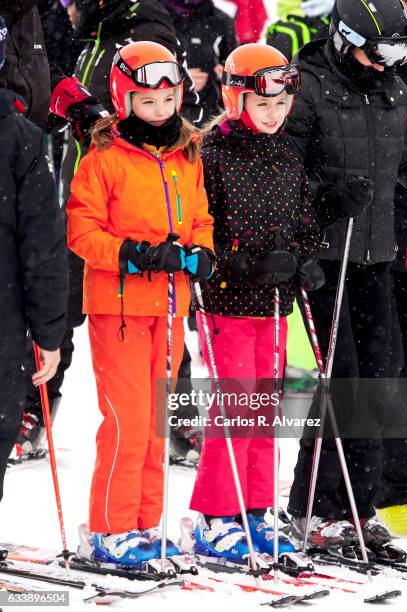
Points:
[(387, 51), (152, 75), (267, 82)]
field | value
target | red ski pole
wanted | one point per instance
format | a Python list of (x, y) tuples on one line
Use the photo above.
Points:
[(48, 427)]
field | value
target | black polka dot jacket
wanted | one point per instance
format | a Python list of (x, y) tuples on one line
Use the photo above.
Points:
[(255, 182)]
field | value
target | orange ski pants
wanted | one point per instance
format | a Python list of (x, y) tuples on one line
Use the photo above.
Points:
[(126, 491)]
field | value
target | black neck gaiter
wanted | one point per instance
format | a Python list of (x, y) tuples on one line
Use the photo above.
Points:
[(138, 132)]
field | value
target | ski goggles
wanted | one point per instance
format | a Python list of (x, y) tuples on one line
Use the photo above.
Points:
[(152, 75), (387, 52), (268, 82)]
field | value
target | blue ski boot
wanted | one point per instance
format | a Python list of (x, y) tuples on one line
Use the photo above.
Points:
[(131, 548), (154, 536), (263, 535), (222, 538)]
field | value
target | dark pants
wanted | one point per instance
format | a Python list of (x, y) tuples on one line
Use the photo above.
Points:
[(362, 351), (393, 490), (12, 397), (74, 319)]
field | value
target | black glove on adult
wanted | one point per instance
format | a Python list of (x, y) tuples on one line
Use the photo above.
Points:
[(273, 268), (83, 115), (136, 257), (344, 199), (310, 274)]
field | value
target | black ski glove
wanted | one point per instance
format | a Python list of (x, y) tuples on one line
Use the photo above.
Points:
[(273, 268), (343, 199), (199, 262), (136, 257), (236, 266), (310, 274)]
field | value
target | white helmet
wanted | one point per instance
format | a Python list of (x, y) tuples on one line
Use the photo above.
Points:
[(317, 8)]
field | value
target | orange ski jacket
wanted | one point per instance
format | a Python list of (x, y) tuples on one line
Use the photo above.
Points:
[(123, 192)]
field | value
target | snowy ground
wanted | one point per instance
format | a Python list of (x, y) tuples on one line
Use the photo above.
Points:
[(28, 514)]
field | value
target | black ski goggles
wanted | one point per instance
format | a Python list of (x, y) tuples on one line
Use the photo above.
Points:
[(152, 75), (268, 82)]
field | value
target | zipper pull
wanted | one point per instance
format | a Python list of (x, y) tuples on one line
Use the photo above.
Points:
[(368, 256), (366, 99)]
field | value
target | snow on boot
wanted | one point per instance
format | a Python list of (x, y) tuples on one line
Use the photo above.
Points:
[(223, 538), (131, 548), (323, 533), (395, 518), (154, 538), (375, 532), (263, 535)]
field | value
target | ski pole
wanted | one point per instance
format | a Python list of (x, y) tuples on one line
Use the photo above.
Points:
[(48, 427), (276, 438), (170, 314), (326, 377), (326, 400), (229, 445)]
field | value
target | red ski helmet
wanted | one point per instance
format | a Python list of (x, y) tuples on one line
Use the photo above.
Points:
[(140, 66), (260, 68)]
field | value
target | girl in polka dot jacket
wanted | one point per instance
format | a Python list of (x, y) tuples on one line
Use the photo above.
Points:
[(255, 183)]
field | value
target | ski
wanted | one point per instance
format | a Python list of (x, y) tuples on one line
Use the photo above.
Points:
[(100, 591), (294, 599), (375, 567)]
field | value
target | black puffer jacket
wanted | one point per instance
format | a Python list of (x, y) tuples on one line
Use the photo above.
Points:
[(400, 216), (208, 36), (254, 182), (122, 22), (26, 70), (33, 269), (343, 129)]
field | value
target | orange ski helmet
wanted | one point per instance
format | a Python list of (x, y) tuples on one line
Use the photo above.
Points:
[(143, 65), (260, 68)]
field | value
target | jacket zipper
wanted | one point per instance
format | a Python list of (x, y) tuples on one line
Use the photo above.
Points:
[(168, 204), (177, 195), (368, 116)]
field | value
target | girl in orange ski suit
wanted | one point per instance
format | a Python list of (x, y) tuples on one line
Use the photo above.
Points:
[(133, 192)]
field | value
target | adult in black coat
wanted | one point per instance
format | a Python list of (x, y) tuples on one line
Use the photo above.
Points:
[(207, 36), (33, 267), (350, 124)]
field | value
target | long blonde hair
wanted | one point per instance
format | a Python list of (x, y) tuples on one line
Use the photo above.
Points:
[(213, 122), (188, 140)]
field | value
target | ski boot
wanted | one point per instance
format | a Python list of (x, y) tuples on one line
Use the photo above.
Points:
[(29, 432), (291, 562), (378, 539), (186, 444), (125, 551), (183, 563), (263, 535), (324, 533), (395, 518), (223, 537), (223, 543)]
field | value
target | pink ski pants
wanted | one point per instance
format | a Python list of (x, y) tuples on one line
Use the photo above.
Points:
[(243, 349)]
